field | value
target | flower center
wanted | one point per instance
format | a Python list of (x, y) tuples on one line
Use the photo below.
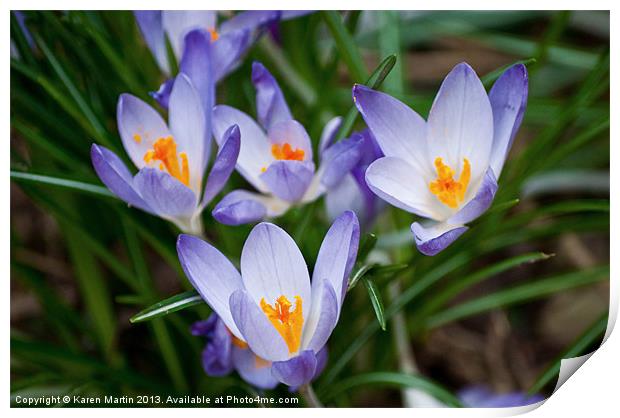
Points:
[(214, 35), (449, 191), (165, 151), (286, 152), (288, 323)]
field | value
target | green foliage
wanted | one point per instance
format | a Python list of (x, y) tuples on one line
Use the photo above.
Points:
[(119, 330)]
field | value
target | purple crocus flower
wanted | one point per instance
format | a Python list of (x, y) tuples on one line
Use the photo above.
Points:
[(444, 169), (276, 157), (231, 38), (171, 159), (482, 397), (272, 305), (352, 193)]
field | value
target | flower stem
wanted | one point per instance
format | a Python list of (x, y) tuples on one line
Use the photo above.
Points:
[(307, 392)]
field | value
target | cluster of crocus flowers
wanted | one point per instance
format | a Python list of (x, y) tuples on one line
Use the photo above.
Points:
[(171, 158), (444, 169), (276, 157), (272, 306)]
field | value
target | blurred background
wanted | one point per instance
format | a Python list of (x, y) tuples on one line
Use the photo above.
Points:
[(526, 286)]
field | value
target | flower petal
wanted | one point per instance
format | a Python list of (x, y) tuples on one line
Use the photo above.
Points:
[(337, 254), (292, 132), (479, 204), (436, 236), (223, 165), (150, 24), (329, 133), (346, 195), (339, 159), (115, 175), (162, 95), (398, 183), (508, 98), (211, 274), (270, 103), (261, 336), (255, 152), (187, 123), (239, 207), (288, 180), (253, 369), (228, 51), (177, 23), (297, 371), (139, 126), (460, 123), (164, 194), (272, 266), (217, 354), (323, 316), (250, 19), (400, 131)]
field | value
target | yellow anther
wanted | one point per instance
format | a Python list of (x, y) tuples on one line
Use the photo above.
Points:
[(449, 191), (165, 151), (288, 323)]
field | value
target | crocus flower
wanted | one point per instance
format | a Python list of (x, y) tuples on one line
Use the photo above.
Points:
[(276, 157), (444, 169), (352, 193), (272, 305), (171, 159), (231, 38), (482, 397)]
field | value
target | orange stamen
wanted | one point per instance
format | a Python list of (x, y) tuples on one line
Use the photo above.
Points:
[(165, 151), (286, 152), (288, 323), (214, 35), (449, 191), (137, 138)]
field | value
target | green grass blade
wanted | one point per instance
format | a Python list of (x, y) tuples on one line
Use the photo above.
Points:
[(172, 304), (377, 302), (55, 181), (346, 45), (490, 78)]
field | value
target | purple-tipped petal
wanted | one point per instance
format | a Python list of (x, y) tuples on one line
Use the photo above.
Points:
[(250, 20), (139, 126), (400, 131), (293, 14), (460, 123), (255, 152), (338, 253), (228, 51), (288, 180), (293, 133), (253, 369), (434, 238), (272, 266), (217, 357), (270, 103), (162, 95), (339, 159), (258, 332), (239, 207), (346, 195), (323, 315), (508, 98), (482, 397), (115, 175), (224, 164), (211, 274), (297, 371), (321, 361), (178, 23), (329, 133), (150, 24), (398, 183), (479, 204), (164, 194)]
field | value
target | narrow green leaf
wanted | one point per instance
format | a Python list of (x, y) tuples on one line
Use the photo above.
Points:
[(69, 184), (368, 244), (518, 294), (389, 43), (392, 379), (375, 299), (358, 274), (575, 349), (172, 304), (490, 78), (346, 45)]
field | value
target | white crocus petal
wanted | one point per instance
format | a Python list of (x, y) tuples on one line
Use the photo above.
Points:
[(255, 153), (272, 266), (186, 119), (177, 23), (398, 183), (460, 123)]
